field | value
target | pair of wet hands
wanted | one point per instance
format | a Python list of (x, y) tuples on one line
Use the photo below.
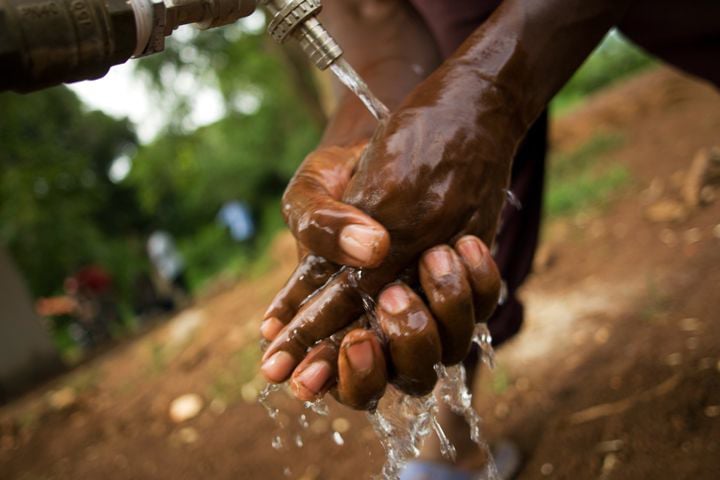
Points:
[(415, 209)]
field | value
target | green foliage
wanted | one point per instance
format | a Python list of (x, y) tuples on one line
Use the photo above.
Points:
[(58, 209), (184, 177), (578, 180), (614, 59)]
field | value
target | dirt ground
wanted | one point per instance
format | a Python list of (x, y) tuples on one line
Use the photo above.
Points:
[(616, 374)]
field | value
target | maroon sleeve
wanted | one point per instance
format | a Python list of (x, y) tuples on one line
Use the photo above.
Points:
[(452, 21)]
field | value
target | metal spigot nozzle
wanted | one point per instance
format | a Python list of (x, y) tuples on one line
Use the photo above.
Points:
[(298, 19)]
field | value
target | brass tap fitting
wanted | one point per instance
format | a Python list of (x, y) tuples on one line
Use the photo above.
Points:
[(297, 19)]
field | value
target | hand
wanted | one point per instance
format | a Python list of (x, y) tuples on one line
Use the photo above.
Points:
[(461, 285), (432, 174)]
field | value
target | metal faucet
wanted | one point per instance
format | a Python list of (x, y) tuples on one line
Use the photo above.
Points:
[(47, 42), (297, 19)]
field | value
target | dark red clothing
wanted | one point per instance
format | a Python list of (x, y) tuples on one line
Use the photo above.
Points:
[(93, 279)]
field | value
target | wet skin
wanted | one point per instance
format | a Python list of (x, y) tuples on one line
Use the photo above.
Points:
[(433, 173)]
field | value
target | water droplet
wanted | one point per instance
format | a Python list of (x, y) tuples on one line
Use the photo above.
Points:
[(318, 406), (512, 199), (298, 440), (483, 339), (277, 442), (263, 399), (338, 438), (287, 472), (502, 297), (303, 421)]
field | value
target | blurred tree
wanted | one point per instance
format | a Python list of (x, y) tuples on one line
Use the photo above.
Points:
[(272, 119), (58, 207)]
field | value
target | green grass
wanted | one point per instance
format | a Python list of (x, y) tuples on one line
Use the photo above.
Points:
[(614, 59), (586, 177)]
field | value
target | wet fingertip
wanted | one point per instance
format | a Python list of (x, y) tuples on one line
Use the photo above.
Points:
[(366, 244), (277, 367), (270, 327), (361, 356), (438, 261), (473, 250), (312, 380), (394, 299)]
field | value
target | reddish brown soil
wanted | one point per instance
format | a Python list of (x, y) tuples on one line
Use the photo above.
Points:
[(616, 375)]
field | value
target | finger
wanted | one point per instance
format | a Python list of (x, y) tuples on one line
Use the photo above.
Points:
[(326, 312), (310, 274), (323, 224), (446, 286), (412, 339), (316, 373), (362, 371), (483, 275)]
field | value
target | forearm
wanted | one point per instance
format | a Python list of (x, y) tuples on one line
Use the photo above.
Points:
[(392, 50), (530, 48)]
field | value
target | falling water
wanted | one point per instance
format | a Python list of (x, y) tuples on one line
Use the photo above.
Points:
[(349, 77)]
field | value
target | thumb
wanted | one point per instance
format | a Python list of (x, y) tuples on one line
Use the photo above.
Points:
[(321, 222)]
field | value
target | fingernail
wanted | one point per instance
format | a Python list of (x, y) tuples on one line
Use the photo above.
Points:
[(360, 356), (360, 241), (315, 376), (438, 261), (270, 328), (394, 299), (470, 250), (278, 367)]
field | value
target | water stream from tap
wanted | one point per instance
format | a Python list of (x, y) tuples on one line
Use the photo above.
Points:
[(350, 78)]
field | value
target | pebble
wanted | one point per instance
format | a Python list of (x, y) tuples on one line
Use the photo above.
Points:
[(217, 406), (249, 393), (602, 335), (690, 324), (188, 435), (62, 399), (712, 411), (610, 446), (674, 359), (185, 407), (501, 410), (341, 425), (706, 363), (609, 462), (692, 235), (668, 237), (666, 211), (547, 469)]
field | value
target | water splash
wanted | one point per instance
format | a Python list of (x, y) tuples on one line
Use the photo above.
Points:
[(338, 439), (513, 199), (483, 339), (350, 78), (401, 422), (452, 390), (303, 421), (264, 400), (318, 406)]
